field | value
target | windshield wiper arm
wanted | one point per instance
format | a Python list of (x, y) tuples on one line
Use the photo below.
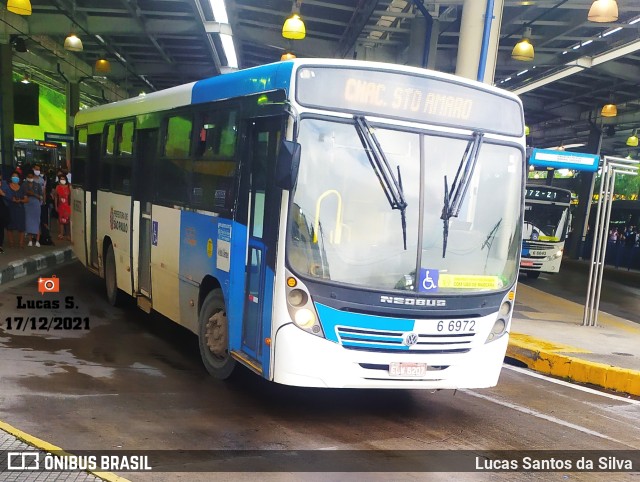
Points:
[(454, 197), (391, 186)]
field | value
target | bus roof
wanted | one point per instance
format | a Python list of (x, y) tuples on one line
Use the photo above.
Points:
[(246, 82)]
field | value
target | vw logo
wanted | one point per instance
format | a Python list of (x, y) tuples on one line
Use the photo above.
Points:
[(410, 338)]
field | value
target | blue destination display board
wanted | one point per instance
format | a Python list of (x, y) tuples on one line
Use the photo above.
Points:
[(578, 161)]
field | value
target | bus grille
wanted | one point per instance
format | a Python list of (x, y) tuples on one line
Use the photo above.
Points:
[(392, 341), (537, 245)]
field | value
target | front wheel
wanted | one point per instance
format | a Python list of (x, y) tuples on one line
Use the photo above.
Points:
[(213, 336)]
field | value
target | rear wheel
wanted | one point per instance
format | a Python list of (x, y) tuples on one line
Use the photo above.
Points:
[(111, 284), (213, 336), (533, 274)]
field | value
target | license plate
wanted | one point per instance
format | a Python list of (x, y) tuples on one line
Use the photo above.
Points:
[(538, 253), (399, 369)]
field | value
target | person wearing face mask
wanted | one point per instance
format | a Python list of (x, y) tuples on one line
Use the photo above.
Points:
[(17, 200), (32, 210), (4, 210), (63, 206)]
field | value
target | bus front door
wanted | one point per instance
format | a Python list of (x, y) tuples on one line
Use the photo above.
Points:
[(260, 200)]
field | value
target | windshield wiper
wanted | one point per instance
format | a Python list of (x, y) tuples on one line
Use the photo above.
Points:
[(391, 186), (454, 197)]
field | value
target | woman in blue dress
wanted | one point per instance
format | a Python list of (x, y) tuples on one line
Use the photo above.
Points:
[(17, 200), (32, 210)]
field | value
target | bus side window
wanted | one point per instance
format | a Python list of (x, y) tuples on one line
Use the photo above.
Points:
[(106, 160), (122, 164), (174, 165), (80, 158), (214, 165)]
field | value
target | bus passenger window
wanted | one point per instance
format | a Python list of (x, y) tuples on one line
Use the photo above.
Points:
[(214, 166), (175, 166)]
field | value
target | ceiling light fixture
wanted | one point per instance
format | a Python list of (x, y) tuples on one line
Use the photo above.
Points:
[(25, 80), (523, 50), (603, 11), (632, 141), (103, 66), (19, 7), (287, 56), (609, 110), (73, 43), (293, 27)]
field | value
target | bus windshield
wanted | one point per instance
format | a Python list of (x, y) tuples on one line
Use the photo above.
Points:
[(342, 228), (545, 222)]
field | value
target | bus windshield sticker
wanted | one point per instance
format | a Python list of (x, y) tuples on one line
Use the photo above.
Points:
[(470, 281), (223, 248), (428, 280), (154, 233)]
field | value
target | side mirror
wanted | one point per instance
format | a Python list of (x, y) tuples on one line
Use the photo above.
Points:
[(287, 165)]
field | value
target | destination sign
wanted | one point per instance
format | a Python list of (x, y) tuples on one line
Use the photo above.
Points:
[(408, 96), (542, 193)]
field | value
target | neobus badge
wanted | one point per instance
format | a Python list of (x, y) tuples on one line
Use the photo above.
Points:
[(399, 300)]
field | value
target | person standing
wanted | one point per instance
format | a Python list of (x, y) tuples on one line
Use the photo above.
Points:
[(17, 200), (33, 209), (4, 210), (63, 206)]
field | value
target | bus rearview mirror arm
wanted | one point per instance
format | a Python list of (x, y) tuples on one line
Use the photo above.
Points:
[(287, 164)]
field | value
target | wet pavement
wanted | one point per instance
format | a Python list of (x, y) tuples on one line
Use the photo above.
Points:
[(134, 381)]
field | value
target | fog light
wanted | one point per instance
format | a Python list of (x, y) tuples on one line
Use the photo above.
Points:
[(305, 318), (498, 329), (297, 297), (505, 308)]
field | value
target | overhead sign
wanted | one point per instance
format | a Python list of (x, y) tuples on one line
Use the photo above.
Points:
[(578, 161), (55, 137)]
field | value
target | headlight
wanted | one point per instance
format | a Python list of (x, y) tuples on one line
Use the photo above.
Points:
[(497, 330), (297, 298), (305, 318)]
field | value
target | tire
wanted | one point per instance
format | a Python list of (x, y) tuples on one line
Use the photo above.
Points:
[(213, 336), (533, 274), (114, 296)]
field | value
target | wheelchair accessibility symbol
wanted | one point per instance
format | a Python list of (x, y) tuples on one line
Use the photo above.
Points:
[(428, 280)]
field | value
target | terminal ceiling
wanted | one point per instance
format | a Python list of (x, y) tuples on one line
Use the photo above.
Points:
[(155, 44)]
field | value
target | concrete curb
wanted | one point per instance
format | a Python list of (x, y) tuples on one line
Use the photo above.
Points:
[(35, 263), (550, 359)]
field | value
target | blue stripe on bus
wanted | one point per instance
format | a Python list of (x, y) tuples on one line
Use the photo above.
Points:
[(330, 318), (244, 82)]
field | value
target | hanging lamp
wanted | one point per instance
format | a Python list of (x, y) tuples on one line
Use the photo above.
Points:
[(294, 28), (523, 50), (102, 66), (632, 141), (19, 7), (287, 56), (603, 11), (73, 43)]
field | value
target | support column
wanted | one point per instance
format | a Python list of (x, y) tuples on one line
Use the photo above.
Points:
[(417, 40), (6, 107), (580, 234), (73, 106), (471, 35)]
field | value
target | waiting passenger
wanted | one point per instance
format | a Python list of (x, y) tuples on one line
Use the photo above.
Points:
[(17, 200), (32, 209)]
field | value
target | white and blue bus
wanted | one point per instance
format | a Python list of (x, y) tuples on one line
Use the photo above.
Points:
[(324, 223), (547, 219)]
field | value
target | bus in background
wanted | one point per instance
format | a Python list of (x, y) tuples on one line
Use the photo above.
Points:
[(324, 223), (48, 155), (547, 219)]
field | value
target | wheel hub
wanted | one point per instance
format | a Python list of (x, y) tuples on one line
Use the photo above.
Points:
[(217, 334)]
